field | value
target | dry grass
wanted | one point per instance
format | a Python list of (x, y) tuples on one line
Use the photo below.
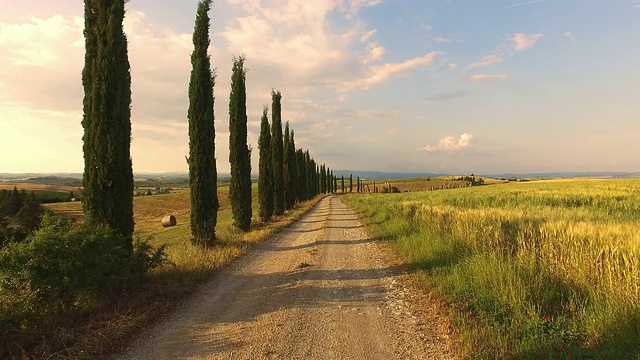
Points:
[(105, 326)]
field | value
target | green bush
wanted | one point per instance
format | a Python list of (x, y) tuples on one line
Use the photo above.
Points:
[(63, 263)]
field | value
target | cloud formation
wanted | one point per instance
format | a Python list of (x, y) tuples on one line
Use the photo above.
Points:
[(379, 74), (486, 61), (488, 77), (523, 41), (451, 144)]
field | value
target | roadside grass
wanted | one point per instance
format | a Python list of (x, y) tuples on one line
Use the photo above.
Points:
[(101, 327), (547, 269)]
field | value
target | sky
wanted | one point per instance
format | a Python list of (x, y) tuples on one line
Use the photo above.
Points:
[(458, 87)]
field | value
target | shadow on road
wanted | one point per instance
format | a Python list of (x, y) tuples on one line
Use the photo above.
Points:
[(262, 294)]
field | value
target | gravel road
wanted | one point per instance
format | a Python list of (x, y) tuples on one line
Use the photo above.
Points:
[(321, 289)]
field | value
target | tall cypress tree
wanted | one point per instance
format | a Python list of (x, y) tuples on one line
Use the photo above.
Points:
[(265, 178), (239, 154), (342, 182), (286, 168), (320, 191), (277, 153), (314, 177), (335, 182), (291, 168), (327, 179), (310, 175), (301, 165), (350, 182), (106, 78), (323, 181), (203, 175)]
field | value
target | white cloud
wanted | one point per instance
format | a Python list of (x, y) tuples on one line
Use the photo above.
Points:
[(452, 66), (523, 41), (379, 74), (367, 35), (488, 77), (374, 52), (43, 59), (319, 52), (450, 144), (569, 35), (486, 61), (448, 39), (523, 3)]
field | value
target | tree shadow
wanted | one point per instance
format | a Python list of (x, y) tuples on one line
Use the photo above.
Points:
[(271, 247), (274, 292)]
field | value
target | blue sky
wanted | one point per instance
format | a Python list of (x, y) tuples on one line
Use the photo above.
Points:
[(414, 86)]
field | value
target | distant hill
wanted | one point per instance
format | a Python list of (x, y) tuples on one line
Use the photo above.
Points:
[(561, 175), (73, 179), (384, 175)]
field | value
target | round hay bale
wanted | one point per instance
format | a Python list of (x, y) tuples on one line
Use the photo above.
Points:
[(169, 220)]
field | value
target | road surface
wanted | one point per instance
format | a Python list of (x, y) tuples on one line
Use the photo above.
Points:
[(321, 289)]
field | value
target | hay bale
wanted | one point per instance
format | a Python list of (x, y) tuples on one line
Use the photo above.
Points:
[(169, 220)]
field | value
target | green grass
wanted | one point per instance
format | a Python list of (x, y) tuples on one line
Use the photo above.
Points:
[(100, 327), (546, 269)]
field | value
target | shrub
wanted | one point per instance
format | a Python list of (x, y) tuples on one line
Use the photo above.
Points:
[(63, 263)]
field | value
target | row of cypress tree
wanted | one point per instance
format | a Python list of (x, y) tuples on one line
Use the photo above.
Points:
[(286, 175)]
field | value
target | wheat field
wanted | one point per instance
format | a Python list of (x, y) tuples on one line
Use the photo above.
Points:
[(538, 269)]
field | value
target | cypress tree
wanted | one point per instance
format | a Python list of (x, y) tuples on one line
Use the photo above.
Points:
[(350, 183), (293, 170), (106, 78), (335, 182), (319, 172), (316, 178), (239, 153), (323, 180), (328, 180), (301, 165), (342, 183), (277, 155), (358, 183), (203, 175), (265, 188), (325, 189), (311, 190), (332, 180), (286, 168)]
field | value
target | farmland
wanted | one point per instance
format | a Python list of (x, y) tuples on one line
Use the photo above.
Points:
[(542, 269)]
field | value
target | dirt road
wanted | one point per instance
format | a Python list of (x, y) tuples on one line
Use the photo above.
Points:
[(319, 290)]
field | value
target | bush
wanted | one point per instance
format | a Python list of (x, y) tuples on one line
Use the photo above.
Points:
[(63, 263)]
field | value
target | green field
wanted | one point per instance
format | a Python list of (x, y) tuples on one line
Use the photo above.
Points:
[(546, 269)]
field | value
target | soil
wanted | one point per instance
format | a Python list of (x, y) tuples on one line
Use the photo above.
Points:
[(321, 289)]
